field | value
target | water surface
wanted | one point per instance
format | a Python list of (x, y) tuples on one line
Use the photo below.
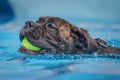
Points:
[(17, 66)]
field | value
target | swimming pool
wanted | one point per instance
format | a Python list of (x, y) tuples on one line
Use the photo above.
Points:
[(17, 66)]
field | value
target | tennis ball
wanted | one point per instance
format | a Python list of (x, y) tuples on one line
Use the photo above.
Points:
[(29, 46)]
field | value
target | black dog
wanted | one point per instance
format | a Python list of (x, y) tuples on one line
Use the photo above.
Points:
[(56, 35)]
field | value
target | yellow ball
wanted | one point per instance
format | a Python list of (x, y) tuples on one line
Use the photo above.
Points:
[(29, 46)]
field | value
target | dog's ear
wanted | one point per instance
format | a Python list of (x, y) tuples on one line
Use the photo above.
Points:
[(82, 34), (92, 45)]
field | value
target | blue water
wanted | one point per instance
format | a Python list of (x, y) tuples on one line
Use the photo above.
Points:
[(18, 66)]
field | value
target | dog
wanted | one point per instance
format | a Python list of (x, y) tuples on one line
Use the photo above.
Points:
[(56, 35)]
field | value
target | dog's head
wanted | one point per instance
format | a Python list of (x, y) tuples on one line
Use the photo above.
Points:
[(56, 35)]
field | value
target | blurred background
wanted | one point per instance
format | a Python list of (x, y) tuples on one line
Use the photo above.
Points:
[(89, 14), (106, 11)]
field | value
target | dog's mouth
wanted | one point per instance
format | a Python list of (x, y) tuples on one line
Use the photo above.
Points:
[(26, 35), (21, 37)]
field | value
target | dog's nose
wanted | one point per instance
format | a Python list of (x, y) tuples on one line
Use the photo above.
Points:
[(29, 24)]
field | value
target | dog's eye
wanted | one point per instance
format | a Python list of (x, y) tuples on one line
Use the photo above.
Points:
[(52, 26)]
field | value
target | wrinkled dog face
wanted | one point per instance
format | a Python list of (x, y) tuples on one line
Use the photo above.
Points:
[(48, 33), (55, 35), (39, 29)]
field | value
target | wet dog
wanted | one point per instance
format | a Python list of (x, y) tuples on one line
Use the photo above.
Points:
[(56, 35)]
